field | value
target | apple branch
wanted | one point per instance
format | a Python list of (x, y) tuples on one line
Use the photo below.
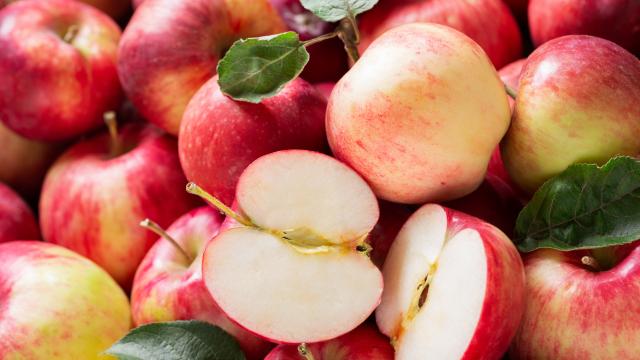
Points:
[(304, 351), (158, 230), (350, 35), (194, 189)]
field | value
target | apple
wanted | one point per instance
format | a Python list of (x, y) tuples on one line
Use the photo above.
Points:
[(117, 9), (577, 102), (168, 285), (325, 88), (56, 304), (454, 288), (519, 9), (297, 270), (58, 68), (392, 217), (171, 48), (576, 311), (16, 218), (220, 137), (615, 20), (408, 114), (363, 343), (510, 76), (488, 22), (97, 192)]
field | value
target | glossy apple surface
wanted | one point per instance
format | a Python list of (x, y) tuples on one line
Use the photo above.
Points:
[(16, 218)]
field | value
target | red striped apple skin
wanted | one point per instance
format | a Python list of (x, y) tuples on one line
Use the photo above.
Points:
[(16, 218), (573, 313), (93, 204)]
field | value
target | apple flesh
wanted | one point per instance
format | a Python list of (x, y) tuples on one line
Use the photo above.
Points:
[(169, 287), (363, 343), (577, 102), (408, 114), (297, 273), (220, 136), (171, 48), (58, 68), (454, 288), (93, 199), (56, 304), (16, 218)]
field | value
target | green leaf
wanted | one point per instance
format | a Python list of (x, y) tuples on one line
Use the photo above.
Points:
[(177, 340), (336, 10), (585, 207), (257, 68)]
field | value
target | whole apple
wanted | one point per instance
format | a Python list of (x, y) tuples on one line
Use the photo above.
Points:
[(97, 192), (577, 102), (168, 285), (171, 48), (16, 218), (58, 68), (114, 8), (56, 304), (408, 114)]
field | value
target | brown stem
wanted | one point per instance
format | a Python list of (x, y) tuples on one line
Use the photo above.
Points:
[(591, 262), (194, 189), (152, 226), (305, 352), (348, 33), (71, 33), (511, 92), (112, 125), (320, 38)]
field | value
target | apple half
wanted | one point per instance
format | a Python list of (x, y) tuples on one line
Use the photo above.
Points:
[(454, 288), (298, 270)]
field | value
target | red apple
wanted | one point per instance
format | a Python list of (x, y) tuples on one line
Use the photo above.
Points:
[(58, 68), (325, 88), (117, 9), (220, 137), (615, 20), (392, 217), (488, 22), (168, 285), (16, 218), (171, 48), (96, 193), (363, 343), (576, 311), (519, 9)]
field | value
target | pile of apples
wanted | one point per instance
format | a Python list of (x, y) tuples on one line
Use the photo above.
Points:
[(365, 210)]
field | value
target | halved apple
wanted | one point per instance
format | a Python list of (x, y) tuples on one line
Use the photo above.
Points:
[(298, 270), (454, 288)]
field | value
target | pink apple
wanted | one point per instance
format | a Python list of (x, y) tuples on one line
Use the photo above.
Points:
[(575, 311), (408, 114), (56, 304), (171, 48), (488, 22), (168, 286), (220, 137), (96, 194), (325, 88), (58, 68), (363, 343), (454, 288), (16, 218), (392, 217), (615, 20)]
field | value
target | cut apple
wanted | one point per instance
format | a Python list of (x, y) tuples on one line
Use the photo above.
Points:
[(454, 288), (298, 269)]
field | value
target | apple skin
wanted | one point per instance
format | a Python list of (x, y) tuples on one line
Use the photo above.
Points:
[(614, 20), (392, 217), (92, 203), (577, 102), (488, 22), (51, 89), (220, 137), (167, 287), (575, 313), (396, 126), (363, 343), (56, 304), (162, 66), (325, 88), (117, 9), (519, 9), (16, 218)]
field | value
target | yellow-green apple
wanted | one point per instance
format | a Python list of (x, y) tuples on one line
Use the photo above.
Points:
[(16, 218), (488, 22), (168, 284), (614, 20), (577, 102), (578, 311), (408, 115), (171, 48), (363, 343), (220, 137), (297, 270), (58, 68), (96, 193), (454, 288), (57, 304)]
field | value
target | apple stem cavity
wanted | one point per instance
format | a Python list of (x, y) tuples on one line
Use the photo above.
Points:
[(510, 91), (112, 125), (194, 189), (305, 352), (71, 34), (158, 230)]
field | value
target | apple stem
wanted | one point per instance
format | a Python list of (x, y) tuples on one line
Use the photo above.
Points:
[(112, 125), (154, 227), (511, 92), (303, 350), (194, 189), (71, 33), (320, 38), (591, 262), (350, 36)]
